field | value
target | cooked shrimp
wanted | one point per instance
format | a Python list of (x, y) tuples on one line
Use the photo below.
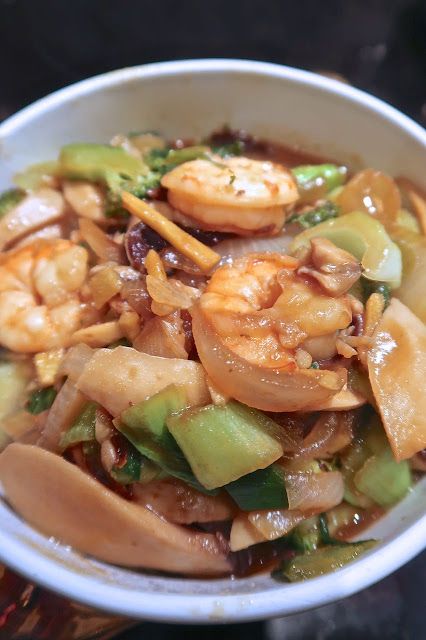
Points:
[(235, 194), (39, 303), (249, 324), (264, 310)]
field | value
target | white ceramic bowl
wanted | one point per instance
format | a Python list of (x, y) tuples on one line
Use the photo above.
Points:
[(192, 98)]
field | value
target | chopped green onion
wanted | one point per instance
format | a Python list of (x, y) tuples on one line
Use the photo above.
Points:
[(40, 400), (311, 218), (262, 489), (329, 174)]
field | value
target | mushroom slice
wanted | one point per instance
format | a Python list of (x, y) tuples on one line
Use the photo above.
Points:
[(62, 501)]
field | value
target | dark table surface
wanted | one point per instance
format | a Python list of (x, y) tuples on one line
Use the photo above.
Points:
[(379, 45)]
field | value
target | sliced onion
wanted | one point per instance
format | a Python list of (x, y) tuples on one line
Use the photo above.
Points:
[(162, 337), (66, 407), (100, 243), (277, 523), (135, 293), (181, 504), (171, 292), (314, 492), (331, 432), (256, 386), (75, 360), (236, 247), (244, 534)]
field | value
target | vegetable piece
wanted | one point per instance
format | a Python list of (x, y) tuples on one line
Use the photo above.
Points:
[(370, 287), (62, 501), (413, 249), (244, 534), (321, 561), (112, 166), (383, 479), (223, 443), (351, 460), (307, 535), (9, 199), (182, 504), (314, 492), (309, 176), (14, 378), (131, 465), (154, 266), (144, 425), (277, 523), (315, 216), (36, 176), (363, 237), (117, 378), (262, 489), (82, 430), (47, 364), (397, 371), (41, 400), (203, 256), (267, 389), (99, 335), (407, 221), (86, 199), (30, 213), (67, 406), (104, 285), (374, 193), (100, 243)]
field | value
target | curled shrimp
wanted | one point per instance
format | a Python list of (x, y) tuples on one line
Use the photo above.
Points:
[(235, 194), (39, 303), (251, 324)]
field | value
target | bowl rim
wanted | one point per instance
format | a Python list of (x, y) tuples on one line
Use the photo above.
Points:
[(265, 603)]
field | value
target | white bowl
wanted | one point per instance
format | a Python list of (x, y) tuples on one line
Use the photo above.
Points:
[(190, 99)]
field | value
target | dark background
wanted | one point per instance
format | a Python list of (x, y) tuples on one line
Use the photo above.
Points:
[(377, 45)]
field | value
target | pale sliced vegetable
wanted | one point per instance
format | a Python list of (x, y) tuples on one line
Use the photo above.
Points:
[(179, 503), (67, 405), (374, 192), (86, 199), (75, 360), (14, 378), (98, 335), (118, 378), (277, 523), (256, 386), (314, 492), (331, 432), (363, 237), (36, 210), (62, 501), (397, 370), (413, 249), (345, 400), (244, 534)]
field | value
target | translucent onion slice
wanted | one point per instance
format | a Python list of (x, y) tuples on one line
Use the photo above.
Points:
[(236, 247), (256, 386), (314, 492)]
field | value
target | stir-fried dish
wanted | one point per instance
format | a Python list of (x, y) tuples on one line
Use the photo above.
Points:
[(212, 355)]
